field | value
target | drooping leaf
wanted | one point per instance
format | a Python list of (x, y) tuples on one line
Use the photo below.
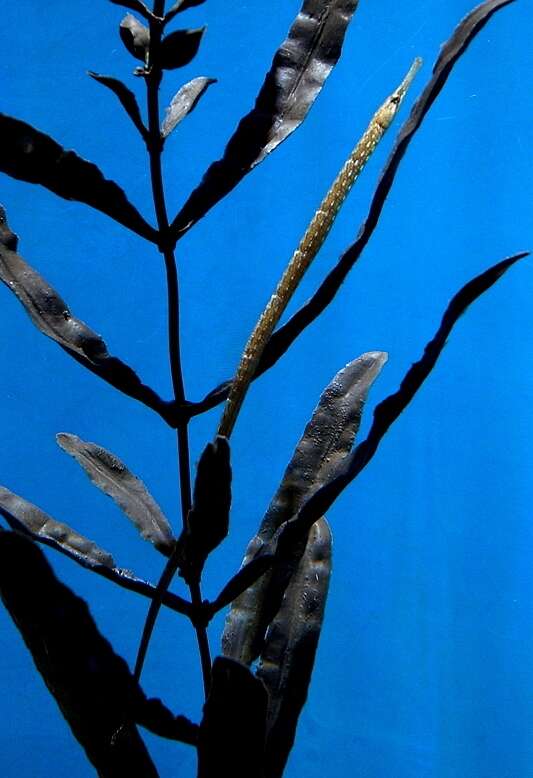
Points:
[(232, 732), (287, 660), (126, 97), (208, 521), (135, 5), (387, 411), (92, 685), (179, 48), (135, 37), (29, 155), (183, 102), (23, 515), (179, 6), (109, 474), (51, 315), (450, 52), (326, 441), (298, 72)]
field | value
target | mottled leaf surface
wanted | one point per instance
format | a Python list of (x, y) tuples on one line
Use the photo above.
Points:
[(326, 441), (179, 48), (23, 515), (450, 52), (32, 156), (183, 102), (126, 97), (287, 660), (232, 732), (92, 685), (298, 72), (51, 315), (111, 475), (208, 521), (246, 576)]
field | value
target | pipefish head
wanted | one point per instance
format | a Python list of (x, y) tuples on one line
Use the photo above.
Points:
[(386, 113)]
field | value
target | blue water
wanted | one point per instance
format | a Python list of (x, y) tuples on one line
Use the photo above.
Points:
[(425, 664)]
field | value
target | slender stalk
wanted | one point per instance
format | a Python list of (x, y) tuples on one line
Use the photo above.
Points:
[(155, 147)]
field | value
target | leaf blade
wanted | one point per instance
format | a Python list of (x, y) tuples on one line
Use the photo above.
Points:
[(29, 155), (298, 72), (180, 48), (184, 102), (110, 474), (126, 97)]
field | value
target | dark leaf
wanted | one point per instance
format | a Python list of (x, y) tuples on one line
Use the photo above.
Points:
[(298, 72), (126, 97), (232, 732), (208, 521), (286, 664), (389, 409), (183, 102), (30, 155), (135, 37), (91, 684), (179, 48), (51, 315), (325, 443), (246, 576), (181, 5), (450, 53), (135, 5), (112, 476), (26, 517)]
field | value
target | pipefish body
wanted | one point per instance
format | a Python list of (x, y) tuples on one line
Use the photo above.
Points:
[(308, 248)]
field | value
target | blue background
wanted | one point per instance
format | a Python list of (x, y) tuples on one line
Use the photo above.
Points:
[(425, 664)]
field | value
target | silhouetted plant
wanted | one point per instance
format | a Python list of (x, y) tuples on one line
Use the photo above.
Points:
[(258, 686)]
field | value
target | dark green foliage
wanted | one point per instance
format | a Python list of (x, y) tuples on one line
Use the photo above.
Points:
[(278, 597)]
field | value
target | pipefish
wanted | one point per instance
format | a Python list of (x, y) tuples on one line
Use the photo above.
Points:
[(309, 246)]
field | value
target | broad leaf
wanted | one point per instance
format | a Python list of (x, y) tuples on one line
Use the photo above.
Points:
[(208, 521), (287, 660), (326, 441), (183, 102), (179, 6), (26, 517), (135, 37), (246, 576), (232, 732), (135, 5), (180, 48), (298, 72), (30, 155), (51, 315), (112, 476), (126, 97), (92, 685)]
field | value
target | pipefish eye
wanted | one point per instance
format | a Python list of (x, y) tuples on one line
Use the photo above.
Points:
[(395, 99)]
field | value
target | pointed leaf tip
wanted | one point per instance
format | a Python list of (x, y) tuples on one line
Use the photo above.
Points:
[(180, 47), (184, 102)]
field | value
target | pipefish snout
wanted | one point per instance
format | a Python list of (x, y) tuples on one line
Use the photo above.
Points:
[(309, 246)]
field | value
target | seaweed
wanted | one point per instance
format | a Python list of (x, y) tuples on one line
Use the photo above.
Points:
[(256, 687)]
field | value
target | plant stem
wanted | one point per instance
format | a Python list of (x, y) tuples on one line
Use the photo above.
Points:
[(166, 247)]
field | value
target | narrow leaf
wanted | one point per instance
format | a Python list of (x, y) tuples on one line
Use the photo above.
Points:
[(92, 685), (232, 732), (179, 48), (32, 156), (247, 575), (126, 97), (135, 37), (51, 315), (450, 52), (298, 72), (326, 441), (386, 413), (183, 102), (26, 517), (135, 5), (109, 474), (208, 521), (286, 664)]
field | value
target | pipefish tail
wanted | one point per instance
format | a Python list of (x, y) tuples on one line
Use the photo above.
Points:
[(308, 248)]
